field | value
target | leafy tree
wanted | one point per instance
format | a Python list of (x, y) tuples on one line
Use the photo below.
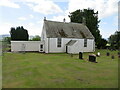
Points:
[(36, 38), (103, 43), (114, 40), (7, 39), (19, 34), (90, 18), (12, 33)]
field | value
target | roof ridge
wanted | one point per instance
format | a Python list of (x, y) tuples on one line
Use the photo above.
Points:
[(64, 22)]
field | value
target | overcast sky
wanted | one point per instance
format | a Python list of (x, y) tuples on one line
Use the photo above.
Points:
[(30, 13)]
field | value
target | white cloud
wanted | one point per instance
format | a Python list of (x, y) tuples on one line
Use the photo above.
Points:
[(115, 21), (26, 18), (104, 7), (22, 18), (32, 28), (8, 3), (104, 23), (31, 16), (105, 34), (44, 6), (30, 5), (40, 22), (60, 18), (31, 24), (5, 28)]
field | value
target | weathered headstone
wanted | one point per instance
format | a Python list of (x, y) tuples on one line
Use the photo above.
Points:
[(113, 57), (80, 55), (92, 58), (108, 54)]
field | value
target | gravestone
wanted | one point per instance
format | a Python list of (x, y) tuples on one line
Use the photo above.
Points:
[(92, 58), (80, 55), (107, 54), (113, 57)]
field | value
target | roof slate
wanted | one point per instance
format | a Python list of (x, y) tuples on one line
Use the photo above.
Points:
[(66, 30)]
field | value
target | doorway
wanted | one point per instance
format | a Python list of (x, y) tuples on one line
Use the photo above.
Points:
[(41, 49)]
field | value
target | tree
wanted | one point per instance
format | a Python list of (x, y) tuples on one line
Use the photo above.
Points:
[(7, 40), (114, 40), (103, 43), (12, 33), (36, 38), (90, 18), (19, 34)]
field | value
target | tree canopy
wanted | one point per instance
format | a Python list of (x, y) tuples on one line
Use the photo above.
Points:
[(7, 40), (90, 18), (114, 40), (19, 34)]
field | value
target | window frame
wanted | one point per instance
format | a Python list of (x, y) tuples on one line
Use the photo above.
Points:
[(85, 42), (59, 42)]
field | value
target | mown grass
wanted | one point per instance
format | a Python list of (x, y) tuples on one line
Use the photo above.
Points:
[(37, 70)]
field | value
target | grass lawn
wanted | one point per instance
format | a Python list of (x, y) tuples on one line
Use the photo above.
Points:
[(37, 70)]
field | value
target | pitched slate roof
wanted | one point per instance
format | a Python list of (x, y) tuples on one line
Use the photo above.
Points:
[(66, 30), (71, 42)]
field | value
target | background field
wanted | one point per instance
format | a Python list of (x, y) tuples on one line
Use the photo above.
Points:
[(37, 70)]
